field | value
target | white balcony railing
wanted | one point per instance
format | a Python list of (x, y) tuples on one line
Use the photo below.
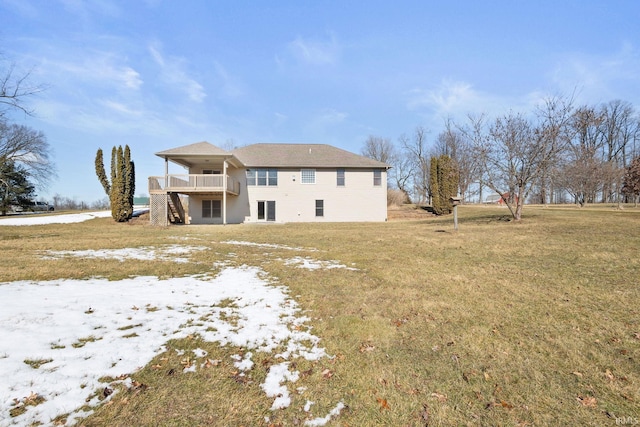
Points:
[(193, 183)]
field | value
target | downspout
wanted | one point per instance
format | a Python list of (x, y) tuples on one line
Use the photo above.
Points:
[(224, 193)]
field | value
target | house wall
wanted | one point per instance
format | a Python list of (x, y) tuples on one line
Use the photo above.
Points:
[(357, 201), (237, 206)]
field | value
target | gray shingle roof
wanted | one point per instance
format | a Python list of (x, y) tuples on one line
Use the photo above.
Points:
[(302, 155), (198, 149)]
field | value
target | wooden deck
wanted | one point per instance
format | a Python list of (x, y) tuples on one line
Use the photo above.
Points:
[(193, 184)]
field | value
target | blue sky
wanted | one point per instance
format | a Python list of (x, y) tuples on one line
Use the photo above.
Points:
[(158, 74)]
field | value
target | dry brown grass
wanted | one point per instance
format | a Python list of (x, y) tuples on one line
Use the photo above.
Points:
[(500, 323)]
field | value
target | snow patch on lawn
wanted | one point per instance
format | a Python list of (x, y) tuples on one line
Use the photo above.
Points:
[(145, 253), (268, 245), (73, 332), (40, 219), (324, 420), (314, 264)]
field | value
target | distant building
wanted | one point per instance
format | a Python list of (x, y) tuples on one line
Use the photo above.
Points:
[(141, 201), (495, 198)]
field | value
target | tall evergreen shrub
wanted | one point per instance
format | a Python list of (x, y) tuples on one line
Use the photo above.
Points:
[(444, 184), (122, 186)]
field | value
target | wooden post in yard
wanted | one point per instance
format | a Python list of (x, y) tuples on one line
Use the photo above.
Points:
[(455, 201)]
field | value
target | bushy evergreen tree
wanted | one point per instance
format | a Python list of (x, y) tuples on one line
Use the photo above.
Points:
[(15, 188), (122, 186)]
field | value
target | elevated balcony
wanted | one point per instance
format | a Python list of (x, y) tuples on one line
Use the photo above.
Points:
[(192, 184)]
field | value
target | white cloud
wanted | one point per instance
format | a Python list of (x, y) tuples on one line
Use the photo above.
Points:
[(315, 52), (175, 75), (329, 117), (445, 98), (458, 99), (450, 99), (122, 108), (600, 78), (101, 68)]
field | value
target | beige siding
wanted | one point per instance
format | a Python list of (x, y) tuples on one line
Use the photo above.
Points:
[(237, 206), (358, 200)]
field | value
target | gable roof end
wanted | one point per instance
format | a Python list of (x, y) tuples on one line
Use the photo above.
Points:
[(198, 149)]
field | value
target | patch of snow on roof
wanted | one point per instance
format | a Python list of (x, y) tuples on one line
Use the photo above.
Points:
[(76, 331), (53, 219)]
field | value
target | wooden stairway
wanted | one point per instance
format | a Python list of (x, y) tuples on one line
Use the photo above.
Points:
[(175, 210)]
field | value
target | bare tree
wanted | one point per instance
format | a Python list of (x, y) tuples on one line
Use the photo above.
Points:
[(402, 169), (554, 117), (581, 170), (475, 133), (418, 153), (619, 129), (29, 149), (381, 149), (14, 89), (518, 151)]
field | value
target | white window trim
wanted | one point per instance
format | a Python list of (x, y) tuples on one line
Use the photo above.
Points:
[(210, 201), (375, 172), (269, 174), (302, 171), (321, 208), (344, 177)]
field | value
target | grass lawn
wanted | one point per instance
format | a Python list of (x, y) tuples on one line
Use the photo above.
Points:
[(500, 323)]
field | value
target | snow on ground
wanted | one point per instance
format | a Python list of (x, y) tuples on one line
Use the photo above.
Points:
[(73, 332), (145, 253), (314, 264), (266, 245), (39, 219)]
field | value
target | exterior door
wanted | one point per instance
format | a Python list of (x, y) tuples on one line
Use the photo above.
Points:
[(271, 210), (267, 210)]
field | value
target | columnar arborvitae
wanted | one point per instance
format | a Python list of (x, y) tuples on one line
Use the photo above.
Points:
[(130, 178), (433, 184), (102, 176), (444, 184), (122, 186), (117, 189)]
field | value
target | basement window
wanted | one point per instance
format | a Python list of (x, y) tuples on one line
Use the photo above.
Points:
[(211, 209)]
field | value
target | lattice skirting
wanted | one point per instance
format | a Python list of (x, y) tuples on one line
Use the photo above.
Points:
[(158, 214)]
